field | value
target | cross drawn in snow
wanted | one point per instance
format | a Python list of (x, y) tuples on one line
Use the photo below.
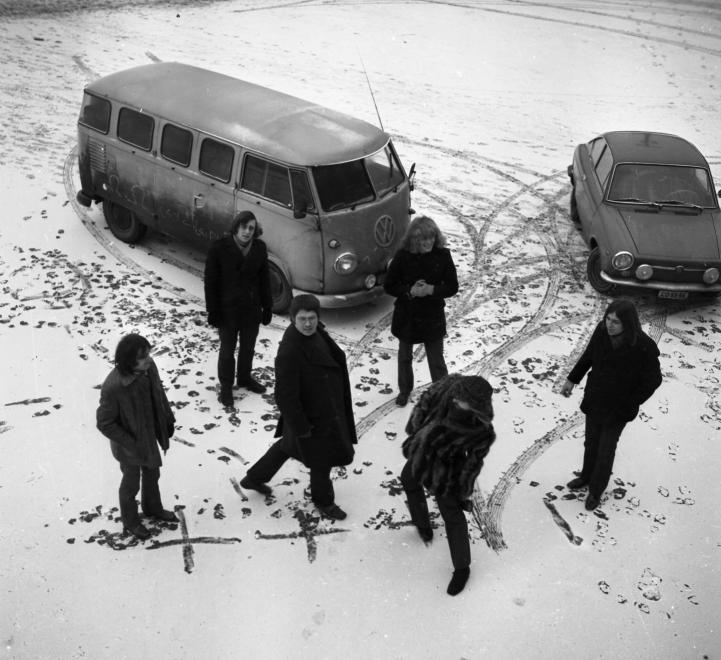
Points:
[(188, 542), (308, 530)]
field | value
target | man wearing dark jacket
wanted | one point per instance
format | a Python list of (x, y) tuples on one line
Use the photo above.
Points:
[(134, 414), (312, 390), (238, 299), (624, 373)]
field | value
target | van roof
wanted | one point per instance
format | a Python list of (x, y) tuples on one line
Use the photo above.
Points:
[(276, 124)]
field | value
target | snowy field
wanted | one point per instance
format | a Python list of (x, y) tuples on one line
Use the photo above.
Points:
[(489, 100)]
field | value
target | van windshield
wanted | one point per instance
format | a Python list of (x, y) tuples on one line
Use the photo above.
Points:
[(358, 181)]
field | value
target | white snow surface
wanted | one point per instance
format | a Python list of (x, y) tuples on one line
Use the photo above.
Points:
[(489, 100)]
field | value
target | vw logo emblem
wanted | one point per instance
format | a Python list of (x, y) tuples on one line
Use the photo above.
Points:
[(385, 231)]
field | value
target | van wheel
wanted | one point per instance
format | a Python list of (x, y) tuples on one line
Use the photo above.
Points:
[(593, 271), (280, 289), (123, 222)]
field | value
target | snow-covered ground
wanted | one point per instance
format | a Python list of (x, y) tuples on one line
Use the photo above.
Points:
[(489, 100)]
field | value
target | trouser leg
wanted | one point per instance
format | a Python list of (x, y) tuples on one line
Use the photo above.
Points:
[(456, 531), (129, 487), (436, 362), (405, 367), (150, 500), (590, 446), (246, 351), (228, 336), (416, 497), (605, 455), (265, 468), (321, 486)]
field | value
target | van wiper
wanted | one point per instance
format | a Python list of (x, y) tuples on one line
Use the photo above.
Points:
[(678, 202)]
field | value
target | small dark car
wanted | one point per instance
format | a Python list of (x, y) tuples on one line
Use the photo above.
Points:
[(647, 208)]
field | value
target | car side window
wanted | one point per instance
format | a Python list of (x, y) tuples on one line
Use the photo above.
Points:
[(595, 149), (95, 113), (175, 144), (266, 179), (603, 167), (216, 159), (135, 128)]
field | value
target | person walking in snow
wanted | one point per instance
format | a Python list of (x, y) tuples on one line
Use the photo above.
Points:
[(450, 432), (421, 276), (134, 414), (623, 372), (313, 394), (238, 299)]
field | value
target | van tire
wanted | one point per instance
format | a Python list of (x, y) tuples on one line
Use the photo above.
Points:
[(280, 289), (123, 222)]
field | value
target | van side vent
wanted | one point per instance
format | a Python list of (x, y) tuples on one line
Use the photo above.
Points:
[(98, 161)]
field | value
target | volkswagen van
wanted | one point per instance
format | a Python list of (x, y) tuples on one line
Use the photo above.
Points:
[(181, 149)]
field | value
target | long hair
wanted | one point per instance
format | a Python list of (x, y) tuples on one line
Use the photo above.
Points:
[(628, 315), (126, 353), (447, 443), (423, 226), (243, 218)]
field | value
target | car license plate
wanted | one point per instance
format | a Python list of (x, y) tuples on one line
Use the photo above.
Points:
[(673, 295)]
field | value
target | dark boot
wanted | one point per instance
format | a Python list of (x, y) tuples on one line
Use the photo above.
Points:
[(458, 581), (226, 397)]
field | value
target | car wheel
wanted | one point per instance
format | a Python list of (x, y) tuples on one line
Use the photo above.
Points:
[(593, 271), (574, 207), (280, 289), (123, 222)]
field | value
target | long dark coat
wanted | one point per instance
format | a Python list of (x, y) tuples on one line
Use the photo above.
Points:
[(237, 286), (313, 395), (134, 414), (620, 379), (418, 320)]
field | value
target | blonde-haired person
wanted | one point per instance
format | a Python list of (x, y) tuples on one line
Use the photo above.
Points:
[(421, 276)]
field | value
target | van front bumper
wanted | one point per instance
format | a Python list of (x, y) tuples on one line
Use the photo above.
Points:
[(338, 300)]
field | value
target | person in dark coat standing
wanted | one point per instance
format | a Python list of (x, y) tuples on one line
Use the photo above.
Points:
[(421, 276), (134, 414), (624, 373), (450, 432), (238, 299), (313, 394)]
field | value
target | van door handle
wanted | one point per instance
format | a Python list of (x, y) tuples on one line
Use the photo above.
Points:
[(198, 201)]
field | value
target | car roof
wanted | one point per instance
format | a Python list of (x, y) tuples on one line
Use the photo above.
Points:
[(276, 124), (647, 147)]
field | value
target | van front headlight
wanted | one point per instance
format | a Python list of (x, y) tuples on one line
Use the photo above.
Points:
[(345, 264)]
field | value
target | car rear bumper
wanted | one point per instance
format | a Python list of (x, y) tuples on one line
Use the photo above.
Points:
[(338, 300), (690, 287)]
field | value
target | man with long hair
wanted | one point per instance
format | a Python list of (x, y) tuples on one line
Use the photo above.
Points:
[(238, 299), (134, 414), (623, 372)]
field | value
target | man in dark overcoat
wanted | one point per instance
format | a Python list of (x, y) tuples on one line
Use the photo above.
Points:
[(134, 414), (313, 394), (238, 299), (624, 373)]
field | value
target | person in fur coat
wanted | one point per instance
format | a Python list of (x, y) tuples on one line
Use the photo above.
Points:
[(450, 432)]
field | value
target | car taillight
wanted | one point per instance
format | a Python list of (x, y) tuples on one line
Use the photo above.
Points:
[(622, 260), (711, 275), (644, 272)]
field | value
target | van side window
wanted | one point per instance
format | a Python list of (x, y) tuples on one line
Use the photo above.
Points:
[(135, 128), (266, 179), (95, 113), (176, 144), (216, 159), (302, 195)]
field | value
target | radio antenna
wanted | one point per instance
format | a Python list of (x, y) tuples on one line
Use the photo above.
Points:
[(375, 105)]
